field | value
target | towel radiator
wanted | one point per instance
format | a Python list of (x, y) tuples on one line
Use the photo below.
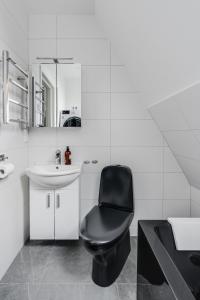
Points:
[(21, 83)]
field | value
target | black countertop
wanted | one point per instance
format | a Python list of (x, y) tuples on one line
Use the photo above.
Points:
[(180, 268)]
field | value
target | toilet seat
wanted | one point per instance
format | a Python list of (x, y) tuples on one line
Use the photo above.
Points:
[(104, 225)]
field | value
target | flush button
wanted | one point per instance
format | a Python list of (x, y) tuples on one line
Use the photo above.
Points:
[(95, 161)]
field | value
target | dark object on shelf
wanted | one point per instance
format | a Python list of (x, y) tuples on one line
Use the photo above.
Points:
[(105, 230)]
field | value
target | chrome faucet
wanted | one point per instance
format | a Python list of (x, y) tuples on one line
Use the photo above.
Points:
[(58, 157)]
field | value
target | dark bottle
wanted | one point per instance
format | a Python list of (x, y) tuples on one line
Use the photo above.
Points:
[(68, 160)]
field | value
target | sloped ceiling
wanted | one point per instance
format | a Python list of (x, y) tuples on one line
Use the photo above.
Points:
[(60, 6), (179, 121), (157, 40)]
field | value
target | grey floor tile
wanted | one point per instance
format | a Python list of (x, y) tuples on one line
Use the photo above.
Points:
[(54, 292), (127, 291), (14, 292), (68, 265), (149, 292), (93, 292), (29, 265), (133, 246), (129, 271)]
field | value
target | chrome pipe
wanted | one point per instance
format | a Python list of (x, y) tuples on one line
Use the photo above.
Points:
[(18, 85), (5, 56), (19, 121), (17, 67), (18, 103)]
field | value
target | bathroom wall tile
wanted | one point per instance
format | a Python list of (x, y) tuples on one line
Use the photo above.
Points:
[(188, 102), (127, 106), (90, 186), (85, 51), (95, 106), (195, 209), (183, 143), (140, 159), (80, 26), (41, 155), (86, 206), (148, 186), (92, 133), (83, 79), (135, 133), (191, 168), (146, 210), (42, 137), (176, 186), (47, 30), (14, 36), (11, 137), (168, 110), (196, 134), (176, 208), (195, 194), (100, 154), (41, 48), (98, 79), (170, 162), (116, 60), (120, 80)]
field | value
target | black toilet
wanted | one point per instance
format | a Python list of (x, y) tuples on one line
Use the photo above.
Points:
[(105, 230)]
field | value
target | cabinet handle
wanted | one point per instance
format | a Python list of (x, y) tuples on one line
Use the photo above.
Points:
[(48, 201), (58, 201)]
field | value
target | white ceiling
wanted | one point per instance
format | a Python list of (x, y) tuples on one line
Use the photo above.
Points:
[(60, 6)]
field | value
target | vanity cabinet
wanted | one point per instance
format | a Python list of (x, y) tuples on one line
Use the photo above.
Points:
[(54, 214)]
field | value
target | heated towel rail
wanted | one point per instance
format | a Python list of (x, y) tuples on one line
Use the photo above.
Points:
[(21, 83)]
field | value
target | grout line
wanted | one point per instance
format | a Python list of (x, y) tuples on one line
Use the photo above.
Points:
[(163, 179), (117, 289), (110, 99)]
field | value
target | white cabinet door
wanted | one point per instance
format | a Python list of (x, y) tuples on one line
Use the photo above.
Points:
[(41, 214), (66, 214)]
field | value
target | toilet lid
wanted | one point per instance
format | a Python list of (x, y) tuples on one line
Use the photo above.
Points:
[(105, 225)]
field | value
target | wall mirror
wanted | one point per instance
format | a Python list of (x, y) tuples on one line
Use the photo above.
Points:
[(56, 95)]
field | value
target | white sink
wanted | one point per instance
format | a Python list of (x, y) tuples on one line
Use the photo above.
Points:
[(54, 176), (186, 233)]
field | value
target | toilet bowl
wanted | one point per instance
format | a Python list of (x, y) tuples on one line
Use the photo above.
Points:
[(105, 229)]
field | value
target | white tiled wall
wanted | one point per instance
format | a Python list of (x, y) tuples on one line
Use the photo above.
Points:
[(116, 126), (195, 202), (177, 117), (13, 190)]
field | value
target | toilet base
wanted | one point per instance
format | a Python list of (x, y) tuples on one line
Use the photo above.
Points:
[(107, 267)]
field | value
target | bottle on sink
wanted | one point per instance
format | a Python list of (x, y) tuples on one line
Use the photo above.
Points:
[(68, 160)]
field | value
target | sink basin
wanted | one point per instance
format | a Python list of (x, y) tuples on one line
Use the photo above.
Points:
[(186, 233), (53, 176)]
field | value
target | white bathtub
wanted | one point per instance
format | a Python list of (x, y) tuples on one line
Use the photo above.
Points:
[(186, 233)]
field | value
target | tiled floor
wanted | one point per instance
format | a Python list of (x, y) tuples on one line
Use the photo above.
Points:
[(63, 272)]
